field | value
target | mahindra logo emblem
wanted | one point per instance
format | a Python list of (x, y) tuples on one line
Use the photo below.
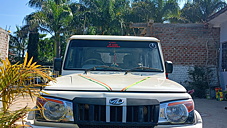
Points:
[(116, 101)]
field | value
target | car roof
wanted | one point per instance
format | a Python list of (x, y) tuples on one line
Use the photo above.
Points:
[(106, 37)]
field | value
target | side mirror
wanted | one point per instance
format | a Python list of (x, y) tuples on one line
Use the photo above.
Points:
[(169, 66), (57, 64)]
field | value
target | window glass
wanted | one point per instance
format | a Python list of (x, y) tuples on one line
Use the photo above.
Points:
[(85, 54)]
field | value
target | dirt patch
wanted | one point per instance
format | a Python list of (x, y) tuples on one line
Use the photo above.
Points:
[(21, 102)]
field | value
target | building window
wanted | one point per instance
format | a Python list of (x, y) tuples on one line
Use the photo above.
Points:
[(224, 56)]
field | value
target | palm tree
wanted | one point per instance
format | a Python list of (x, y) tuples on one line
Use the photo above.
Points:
[(200, 10), (16, 81), (18, 44), (53, 18), (33, 37), (80, 19), (105, 17), (165, 8), (158, 10), (142, 11), (38, 3)]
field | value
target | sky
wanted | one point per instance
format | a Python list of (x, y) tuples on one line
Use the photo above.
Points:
[(12, 13)]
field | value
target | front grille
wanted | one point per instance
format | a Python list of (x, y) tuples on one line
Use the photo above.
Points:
[(89, 112), (112, 126), (115, 114), (141, 113), (94, 112)]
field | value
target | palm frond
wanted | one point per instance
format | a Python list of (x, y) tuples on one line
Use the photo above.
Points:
[(16, 81)]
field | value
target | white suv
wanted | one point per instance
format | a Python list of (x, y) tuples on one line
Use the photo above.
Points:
[(115, 82)]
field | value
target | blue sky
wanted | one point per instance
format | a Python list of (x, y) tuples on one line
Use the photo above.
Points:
[(12, 13)]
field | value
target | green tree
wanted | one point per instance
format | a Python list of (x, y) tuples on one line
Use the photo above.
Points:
[(38, 3), (142, 11), (33, 41), (32, 29), (53, 18), (104, 17), (45, 50), (158, 10), (197, 11), (18, 45), (80, 19)]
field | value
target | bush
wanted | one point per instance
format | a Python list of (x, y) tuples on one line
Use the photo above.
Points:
[(16, 81), (199, 81)]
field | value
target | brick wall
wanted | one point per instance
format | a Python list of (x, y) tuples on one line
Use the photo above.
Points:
[(188, 45), (4, 42)]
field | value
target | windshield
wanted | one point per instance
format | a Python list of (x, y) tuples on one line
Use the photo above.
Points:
[(123, 55)]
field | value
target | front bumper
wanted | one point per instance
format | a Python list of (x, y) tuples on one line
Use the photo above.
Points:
[(30, 121)]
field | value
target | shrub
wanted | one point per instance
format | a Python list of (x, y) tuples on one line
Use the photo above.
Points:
[(16, 81), (199, 81)]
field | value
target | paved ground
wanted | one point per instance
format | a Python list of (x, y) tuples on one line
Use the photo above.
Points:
[(22, 102), (213, 112)]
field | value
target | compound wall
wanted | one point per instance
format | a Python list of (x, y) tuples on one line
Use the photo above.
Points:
[(189, 45), (4, 43)]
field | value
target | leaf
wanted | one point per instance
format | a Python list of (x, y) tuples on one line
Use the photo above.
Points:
[(34, 64), (25, 60), (29, 63), (15, 81)]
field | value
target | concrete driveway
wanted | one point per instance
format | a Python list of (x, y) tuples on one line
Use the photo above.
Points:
[(213, 112)]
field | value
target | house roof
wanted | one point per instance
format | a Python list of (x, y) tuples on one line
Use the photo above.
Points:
[(218, 18)]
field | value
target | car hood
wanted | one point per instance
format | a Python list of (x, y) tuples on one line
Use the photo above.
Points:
[(115, 82)]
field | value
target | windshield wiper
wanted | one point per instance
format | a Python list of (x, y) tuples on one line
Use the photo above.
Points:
[(102, 67), (143, 69)]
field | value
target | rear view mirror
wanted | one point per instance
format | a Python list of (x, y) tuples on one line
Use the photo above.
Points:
[(169, 66), (57, 64)]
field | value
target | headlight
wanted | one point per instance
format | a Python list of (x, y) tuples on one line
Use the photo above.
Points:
[(177, 112), (55, 110)]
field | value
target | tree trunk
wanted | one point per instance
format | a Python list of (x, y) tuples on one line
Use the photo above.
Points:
[(57, 46)]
